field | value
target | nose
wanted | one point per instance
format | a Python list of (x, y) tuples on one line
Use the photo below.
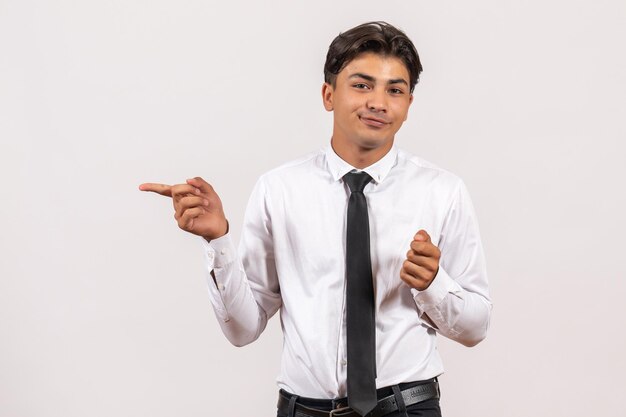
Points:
[(377, 101)]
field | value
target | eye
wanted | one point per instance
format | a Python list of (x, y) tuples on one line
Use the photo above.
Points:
[(396, 91), (361, 86)]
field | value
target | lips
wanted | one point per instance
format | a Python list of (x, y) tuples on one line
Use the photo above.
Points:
[(373, 121)]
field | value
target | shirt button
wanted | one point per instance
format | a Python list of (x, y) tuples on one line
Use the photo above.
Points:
[(221, 287), (343, 362), (223, 251)]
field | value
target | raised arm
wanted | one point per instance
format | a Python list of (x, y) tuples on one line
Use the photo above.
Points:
[(242, 289), (449, 281)]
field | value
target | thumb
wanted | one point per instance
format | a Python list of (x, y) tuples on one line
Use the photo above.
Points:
[(198, 182), (422, 236)]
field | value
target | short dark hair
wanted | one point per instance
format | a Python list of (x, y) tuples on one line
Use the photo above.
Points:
[(377, 37)]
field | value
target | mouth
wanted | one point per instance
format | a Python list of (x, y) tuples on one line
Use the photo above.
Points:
[(373, 121)]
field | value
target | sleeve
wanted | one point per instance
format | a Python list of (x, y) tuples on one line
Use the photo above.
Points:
[(457, 302), (243, 284)]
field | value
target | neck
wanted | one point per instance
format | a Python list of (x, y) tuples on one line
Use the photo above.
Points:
[(359, 157)]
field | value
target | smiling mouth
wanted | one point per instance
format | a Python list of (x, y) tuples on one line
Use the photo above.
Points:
[(373, 121)]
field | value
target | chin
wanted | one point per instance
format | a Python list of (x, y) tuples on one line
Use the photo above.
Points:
[(374, 143)]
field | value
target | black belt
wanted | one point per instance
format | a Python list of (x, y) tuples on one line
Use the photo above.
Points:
[(386, 405)]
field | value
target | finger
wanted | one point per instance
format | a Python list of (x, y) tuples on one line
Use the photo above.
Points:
[(186, 220), (428, 262), (417, 272), (425, 249), (422, 236), (410, 280), (204, 186), (162, 189), (191, 202), (413, 282), (181, 190)]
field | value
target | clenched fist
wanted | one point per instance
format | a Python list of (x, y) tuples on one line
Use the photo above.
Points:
[(422, 262), (198, 208)]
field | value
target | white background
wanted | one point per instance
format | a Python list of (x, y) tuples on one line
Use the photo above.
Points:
[(103, 304)]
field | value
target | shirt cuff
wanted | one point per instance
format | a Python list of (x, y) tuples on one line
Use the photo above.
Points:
[(219, 252), (438, 289)]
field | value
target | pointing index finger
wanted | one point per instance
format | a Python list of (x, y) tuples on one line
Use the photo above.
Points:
[(162, 189)]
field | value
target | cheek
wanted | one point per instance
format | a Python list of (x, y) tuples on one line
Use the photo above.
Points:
[(346, 110), (403, 114), (349, 102)]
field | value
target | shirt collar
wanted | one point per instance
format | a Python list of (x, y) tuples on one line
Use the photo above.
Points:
[(378, 170)]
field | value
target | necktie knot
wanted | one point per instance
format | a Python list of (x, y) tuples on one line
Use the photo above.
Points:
[(357, 180)]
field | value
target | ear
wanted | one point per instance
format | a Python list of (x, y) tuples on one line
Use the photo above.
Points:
[(327, 96)]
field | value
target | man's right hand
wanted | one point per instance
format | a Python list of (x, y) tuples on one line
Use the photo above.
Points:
[(198, 207)]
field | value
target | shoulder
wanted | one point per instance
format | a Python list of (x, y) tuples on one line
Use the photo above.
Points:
[(295, 171), (419, 168)]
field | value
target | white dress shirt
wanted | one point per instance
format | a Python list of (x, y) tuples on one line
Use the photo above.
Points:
[(292, 257)]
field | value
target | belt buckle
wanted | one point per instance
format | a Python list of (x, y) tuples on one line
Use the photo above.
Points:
[(337, 411)]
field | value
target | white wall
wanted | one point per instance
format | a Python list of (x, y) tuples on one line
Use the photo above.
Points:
[(103, 304)]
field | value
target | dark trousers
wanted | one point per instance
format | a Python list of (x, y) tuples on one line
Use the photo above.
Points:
[(428, 408)]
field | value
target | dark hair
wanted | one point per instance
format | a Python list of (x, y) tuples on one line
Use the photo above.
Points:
[(377, 37)]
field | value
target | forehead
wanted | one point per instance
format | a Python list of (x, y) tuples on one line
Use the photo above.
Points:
[(384, 67)]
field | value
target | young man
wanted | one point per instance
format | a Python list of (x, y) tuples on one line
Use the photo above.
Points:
[(367, 251)]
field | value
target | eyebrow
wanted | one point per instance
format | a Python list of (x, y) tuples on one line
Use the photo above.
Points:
[(372, 79)]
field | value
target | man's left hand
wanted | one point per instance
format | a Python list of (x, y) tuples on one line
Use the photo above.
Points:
[(422, 262)]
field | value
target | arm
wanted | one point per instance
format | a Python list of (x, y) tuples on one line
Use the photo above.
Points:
[(244, 289), (242, 305), (449, 282)]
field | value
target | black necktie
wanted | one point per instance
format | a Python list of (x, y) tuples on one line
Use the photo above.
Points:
[(360, 316)]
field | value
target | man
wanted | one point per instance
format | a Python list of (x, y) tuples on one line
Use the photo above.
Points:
[(367, 251)]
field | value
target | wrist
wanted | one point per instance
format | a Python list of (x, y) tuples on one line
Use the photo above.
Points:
[(226, 228)]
